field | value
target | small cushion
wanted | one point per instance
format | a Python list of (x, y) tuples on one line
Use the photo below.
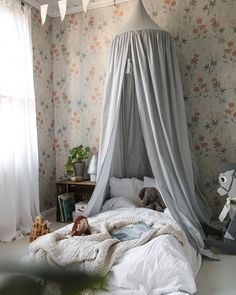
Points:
[(149, 182), (126, 187), (116, 203)]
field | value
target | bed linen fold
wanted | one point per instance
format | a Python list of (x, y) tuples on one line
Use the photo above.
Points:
[(99, 251)]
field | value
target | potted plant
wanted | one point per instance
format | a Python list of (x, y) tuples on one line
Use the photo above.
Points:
[(75, 162)]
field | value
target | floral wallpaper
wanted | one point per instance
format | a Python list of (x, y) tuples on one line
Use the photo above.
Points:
[(43, 78), (204, 32)]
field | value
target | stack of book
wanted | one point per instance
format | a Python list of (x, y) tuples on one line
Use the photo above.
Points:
[(66, 203)]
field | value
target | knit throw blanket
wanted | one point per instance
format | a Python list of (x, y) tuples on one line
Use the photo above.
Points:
[(99, 251)]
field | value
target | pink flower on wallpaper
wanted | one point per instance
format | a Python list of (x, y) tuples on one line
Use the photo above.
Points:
[(118, 10), (97, 94), (93, 122), (41, 170), (202, 147), (199, 29), (74, 69), (56, 145), (169, 6), (170, 2), (64, 50), (66, 145), (200, 87), (55, 52), (55, 98), (75, 121), (65, 98), (39, 118), (95, 44), (73, 22), (230, 51), (230, 111), (194, 59), (38, 68)]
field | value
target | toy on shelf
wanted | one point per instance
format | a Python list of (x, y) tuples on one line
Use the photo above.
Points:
[(39, 228)]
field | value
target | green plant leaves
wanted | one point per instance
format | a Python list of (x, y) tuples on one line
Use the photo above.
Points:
[(76, 154)]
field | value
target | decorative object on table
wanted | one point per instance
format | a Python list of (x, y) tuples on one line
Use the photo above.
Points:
[(80, 208), (75, 162), (77, 178), (66, 203), (40, 227), (92, 168), (80, 227), (151, 198), (227, 180)]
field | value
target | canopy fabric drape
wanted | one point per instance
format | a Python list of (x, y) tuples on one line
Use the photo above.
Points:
[(144, 129), (19, 199)]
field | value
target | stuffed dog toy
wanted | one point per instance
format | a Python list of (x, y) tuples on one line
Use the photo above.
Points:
[(151, 198)]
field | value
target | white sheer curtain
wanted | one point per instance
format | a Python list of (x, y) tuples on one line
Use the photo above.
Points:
[(19, 201)]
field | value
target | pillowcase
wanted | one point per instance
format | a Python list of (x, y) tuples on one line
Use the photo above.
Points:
[(149, 182), (116, 203), (126, 188)]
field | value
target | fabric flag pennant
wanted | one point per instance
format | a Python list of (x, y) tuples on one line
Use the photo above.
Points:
[(85, 5), (43, 10), (62, 8)]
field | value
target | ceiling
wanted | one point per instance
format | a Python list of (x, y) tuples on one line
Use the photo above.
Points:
[(73, 6)]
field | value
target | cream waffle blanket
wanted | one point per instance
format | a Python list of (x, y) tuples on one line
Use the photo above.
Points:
[(99, 251)]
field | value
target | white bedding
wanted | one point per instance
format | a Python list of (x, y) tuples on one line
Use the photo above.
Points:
[(162, 266)]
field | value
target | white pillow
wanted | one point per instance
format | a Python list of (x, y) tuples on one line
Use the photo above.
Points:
[(127, 188), (116, 203), (149, 182)]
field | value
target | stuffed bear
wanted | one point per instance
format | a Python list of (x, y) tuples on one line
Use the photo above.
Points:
[(151, 198)]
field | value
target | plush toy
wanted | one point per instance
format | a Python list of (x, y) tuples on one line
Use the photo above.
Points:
[(151, 198), (80, 226), (39, 228)]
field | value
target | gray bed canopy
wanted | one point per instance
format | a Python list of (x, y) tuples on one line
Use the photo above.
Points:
[(144, 130)]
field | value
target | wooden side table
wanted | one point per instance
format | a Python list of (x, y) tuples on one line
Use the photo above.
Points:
[(67, 186)]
